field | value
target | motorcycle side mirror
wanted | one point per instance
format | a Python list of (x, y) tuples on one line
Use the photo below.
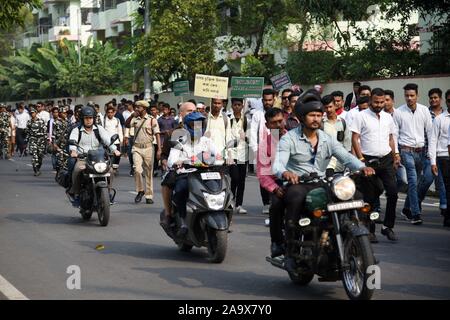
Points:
[(73, 143), (114, 137)]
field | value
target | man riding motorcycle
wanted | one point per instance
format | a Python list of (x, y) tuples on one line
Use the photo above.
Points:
[(306, 150), (196, 150), (89, 137)]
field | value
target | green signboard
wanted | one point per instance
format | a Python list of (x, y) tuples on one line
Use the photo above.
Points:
[(180, 88), (247, 87)]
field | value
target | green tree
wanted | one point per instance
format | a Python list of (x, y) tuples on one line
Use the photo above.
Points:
[(31, 72), (181, 41), (11, 12), (103, 69)]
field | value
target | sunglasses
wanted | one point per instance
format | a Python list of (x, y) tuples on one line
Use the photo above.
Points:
[(283, 98)]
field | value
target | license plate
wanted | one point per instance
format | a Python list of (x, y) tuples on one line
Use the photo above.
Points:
[(210, 176), (93, 175), (346, 205)]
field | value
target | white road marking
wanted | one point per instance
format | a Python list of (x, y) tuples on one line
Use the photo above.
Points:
[(132, 192), (30, 165), (9, 291)]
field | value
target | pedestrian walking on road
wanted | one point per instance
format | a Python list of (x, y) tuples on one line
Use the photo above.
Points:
[(36, 136)]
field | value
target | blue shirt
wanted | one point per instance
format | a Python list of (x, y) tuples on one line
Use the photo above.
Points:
[(296, 154)]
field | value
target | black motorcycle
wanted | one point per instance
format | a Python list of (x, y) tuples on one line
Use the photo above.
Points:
[(95, 193), (332, 242)]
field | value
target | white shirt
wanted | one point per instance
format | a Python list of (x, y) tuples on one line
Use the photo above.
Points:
[(257, 127), (126, 114), (44, 115), (332, 129), (88, 141), (237, 128), (438, 142), (22, 119), (217, 132), (411, 127), (50, 129), (374, 132), (203, 145), (350, 115), (113, 127)]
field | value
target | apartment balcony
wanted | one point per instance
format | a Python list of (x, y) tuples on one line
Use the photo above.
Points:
[(59, 32)]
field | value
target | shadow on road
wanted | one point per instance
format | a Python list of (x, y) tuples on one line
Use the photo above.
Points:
[(242, 283), (51, 218), (150, 251)]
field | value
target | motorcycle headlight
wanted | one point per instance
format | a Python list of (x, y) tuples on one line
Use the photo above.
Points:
[(100, 167), (215, 201), (344, 188)]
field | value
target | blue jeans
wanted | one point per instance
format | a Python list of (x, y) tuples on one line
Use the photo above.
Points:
[(420, 178), (440, 185)]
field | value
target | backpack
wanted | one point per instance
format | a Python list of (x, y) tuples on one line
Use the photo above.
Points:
[(244, 118), (343, 123), (96, 132)]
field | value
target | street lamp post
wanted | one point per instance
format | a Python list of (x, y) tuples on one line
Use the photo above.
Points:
[(147, 80)]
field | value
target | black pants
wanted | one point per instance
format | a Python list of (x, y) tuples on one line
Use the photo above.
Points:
[(130, 154), (238, 172), (386, 173), (444, 163), (294, 199), (276, 215), (21, 136), (265, 196)]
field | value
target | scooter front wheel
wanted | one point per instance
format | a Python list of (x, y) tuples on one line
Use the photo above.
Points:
[(217, 244)]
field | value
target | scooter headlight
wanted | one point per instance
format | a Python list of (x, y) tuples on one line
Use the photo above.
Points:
[(344, 188), (100, 167), (215, 201)]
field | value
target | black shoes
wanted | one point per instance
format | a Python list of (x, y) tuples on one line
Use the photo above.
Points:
[(139, 196), (131, 173), (406, 213), (276, 249), (149, 201), (373, 238), (183, 231), (447, 222), (416, 220), (389, 233)]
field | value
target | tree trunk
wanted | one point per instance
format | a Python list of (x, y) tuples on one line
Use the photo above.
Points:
[(260, 38)]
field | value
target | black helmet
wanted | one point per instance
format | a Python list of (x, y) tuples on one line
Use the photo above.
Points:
[(309, 101), (87, 112)]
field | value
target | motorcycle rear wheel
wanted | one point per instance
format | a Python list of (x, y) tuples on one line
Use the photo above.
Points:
[(358, 253), (103, 207)]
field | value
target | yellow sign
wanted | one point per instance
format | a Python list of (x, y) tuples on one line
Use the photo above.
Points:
[(211, 87)]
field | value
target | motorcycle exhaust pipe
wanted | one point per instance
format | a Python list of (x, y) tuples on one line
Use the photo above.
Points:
[(276, 262)]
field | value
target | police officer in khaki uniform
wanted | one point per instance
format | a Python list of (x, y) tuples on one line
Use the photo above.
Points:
[(144, 128)]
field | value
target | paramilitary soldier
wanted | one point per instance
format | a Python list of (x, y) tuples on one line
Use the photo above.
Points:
[(36, 136)]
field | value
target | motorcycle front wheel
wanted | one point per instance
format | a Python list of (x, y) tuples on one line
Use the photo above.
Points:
[(358, 256), (103, 206)]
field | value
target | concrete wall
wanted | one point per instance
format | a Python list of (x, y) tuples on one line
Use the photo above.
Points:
[(425, 83)]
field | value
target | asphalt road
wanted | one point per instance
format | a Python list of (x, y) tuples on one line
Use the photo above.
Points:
[(41, 235)]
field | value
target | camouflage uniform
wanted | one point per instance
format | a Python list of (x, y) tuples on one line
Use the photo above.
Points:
[(36, 136), (59, 137), (5, 126)]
